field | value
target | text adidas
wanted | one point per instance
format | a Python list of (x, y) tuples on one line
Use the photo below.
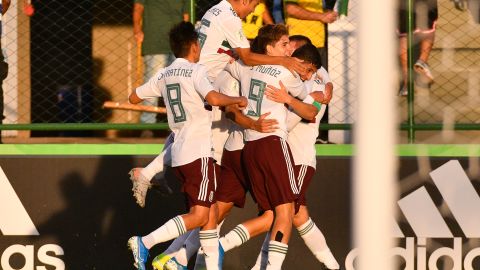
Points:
[(415, 255)]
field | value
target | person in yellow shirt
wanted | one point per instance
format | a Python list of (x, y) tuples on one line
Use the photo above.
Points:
[(253, 22), (308, 18)]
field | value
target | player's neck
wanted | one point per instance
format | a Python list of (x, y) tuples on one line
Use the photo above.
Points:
[(190, 58)]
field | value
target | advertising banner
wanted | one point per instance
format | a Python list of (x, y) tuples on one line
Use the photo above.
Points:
[(77, 212)]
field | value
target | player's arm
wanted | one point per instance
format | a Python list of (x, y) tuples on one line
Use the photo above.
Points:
[(137, 21), (325, 96), (253, 59), (152, 88), (134, 98), (294, 10), (280, 95), (261, 124), (218, 99)]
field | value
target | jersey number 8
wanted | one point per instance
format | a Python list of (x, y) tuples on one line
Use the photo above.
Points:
[(175, 102)]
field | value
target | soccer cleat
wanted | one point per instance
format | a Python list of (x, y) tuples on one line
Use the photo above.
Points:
[(140, 185), (140, 252), (423, 69), (172, 264), (160, 260), (326, 257), (221, 254)]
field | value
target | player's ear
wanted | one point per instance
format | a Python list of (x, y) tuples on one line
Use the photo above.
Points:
[(269, 49)]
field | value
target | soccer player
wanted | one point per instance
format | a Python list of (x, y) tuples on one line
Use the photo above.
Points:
[(267, 157), (301, 138), (184, 87)]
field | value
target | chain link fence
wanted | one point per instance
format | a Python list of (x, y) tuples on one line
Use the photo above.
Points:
[(69, 57)]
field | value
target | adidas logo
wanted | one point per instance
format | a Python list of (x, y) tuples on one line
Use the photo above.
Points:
[(15, 221), (427, 222)]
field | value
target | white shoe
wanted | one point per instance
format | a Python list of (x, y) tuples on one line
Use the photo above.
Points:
[(403, 92), (423, 69), (140, 185), (326, 257)]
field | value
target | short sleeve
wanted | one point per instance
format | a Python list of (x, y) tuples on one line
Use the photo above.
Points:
[(236, 69), (232, 28), (322, 74), (295, 86), (200, 81), (153, 87)]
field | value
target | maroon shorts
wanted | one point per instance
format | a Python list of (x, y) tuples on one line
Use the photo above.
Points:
[(270, 169), (233, 184), (198, 181), (304, 175)]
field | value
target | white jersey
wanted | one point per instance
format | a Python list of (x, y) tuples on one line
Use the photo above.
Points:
[(253, 81), (303, 134), (227, 85), (231, 87), (184, 86), (220, 32)]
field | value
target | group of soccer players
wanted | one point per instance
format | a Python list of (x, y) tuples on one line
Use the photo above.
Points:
[(274, 96)]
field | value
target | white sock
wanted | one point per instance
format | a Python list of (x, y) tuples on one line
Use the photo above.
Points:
[(276, 254), (177, 244), (262, 259), (312, 236), (157, 165), (189, 248), (235, 238), (154, 167), (209, 243), (168, 231)]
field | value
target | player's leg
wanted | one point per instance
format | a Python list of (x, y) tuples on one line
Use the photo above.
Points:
[(247, 230), (208, 236), (308, 230), (141, 177), (314, 238)]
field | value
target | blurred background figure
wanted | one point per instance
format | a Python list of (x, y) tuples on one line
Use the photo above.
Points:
[(425, 15), (253, 22), (3, 64), (152, 19)]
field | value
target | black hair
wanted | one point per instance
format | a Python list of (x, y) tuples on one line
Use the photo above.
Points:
[(309, 53), (182, 36), (300, 38)]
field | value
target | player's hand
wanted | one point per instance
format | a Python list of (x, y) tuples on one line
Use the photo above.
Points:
[(318, 96), (328, 93), (279, 95), (295, 65), (139, 35), (243, 103), (265, 125)]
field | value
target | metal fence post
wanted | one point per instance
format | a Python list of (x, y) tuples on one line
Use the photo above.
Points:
[(410, 84), (192, 12)]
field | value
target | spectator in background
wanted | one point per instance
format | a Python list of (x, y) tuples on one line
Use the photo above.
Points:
[(425, 15), (152, 19), (3, 64), (309, 18), (255, 20)]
